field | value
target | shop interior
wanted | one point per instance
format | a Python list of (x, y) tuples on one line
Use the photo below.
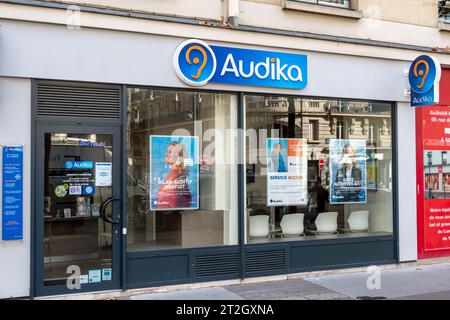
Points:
[(212, 117)]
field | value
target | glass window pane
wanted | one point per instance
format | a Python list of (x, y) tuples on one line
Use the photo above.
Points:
[(334, 3), (339, 185), (190, 198)]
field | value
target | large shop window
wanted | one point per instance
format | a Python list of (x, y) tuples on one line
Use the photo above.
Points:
[(317, 169), (182, 172)]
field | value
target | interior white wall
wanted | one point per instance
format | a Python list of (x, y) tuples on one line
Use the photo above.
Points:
[(15, 129), (406, 157)]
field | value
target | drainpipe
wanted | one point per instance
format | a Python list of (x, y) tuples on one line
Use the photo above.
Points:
[(233, 12)]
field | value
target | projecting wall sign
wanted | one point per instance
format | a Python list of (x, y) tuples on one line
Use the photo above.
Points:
[(424, 76)]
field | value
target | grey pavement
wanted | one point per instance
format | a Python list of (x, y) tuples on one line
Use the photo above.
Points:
[(426, 282), (216, 293), (394, 283)]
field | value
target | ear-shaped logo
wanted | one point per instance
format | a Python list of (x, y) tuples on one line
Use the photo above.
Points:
[(194, 62), (421, 73), (424, 73)]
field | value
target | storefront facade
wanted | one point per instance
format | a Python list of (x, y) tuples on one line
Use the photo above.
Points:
[(98, 111)]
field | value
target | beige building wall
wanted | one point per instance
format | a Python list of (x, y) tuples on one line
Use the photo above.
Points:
[(377, 22), (418, 12), (408, 22), (415, 12), (209, 9)]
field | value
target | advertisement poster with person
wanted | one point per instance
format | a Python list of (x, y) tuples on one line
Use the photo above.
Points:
[(287, 166), (348, 171), (174, 172)]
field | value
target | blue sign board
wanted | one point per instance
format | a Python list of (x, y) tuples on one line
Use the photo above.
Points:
[(83, 165), (424, 76), (198, 63), (12, 193)]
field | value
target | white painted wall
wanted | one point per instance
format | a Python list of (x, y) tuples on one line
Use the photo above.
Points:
[(406, 153), (15, 129), (35, 50)]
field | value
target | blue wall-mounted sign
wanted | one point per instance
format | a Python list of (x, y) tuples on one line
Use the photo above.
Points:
[(424, 76), (12, 193), (197, 63), (83, 165)]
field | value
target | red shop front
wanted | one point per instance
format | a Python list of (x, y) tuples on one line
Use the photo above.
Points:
[(433, 175)]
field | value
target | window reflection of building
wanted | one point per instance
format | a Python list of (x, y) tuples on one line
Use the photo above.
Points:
[(319, 120), (182, 113), (437, 174), (432, 181)]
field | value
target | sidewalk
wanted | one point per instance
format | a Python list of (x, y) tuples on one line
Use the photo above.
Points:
[(419, 281)]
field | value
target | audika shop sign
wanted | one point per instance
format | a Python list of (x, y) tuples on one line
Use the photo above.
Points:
[(197, 63), (424, 76)]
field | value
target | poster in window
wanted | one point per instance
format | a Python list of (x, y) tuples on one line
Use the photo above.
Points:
[(174, 172), (348, 171), (372, 173), (287, 166)]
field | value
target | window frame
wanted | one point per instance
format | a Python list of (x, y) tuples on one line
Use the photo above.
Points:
[(242, 194), (343, 102), (125, 132), (346, 5), (444, 11)]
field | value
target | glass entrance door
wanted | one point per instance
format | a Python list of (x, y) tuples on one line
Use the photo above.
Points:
[(78, 212)]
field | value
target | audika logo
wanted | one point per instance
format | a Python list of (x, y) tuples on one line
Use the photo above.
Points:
[(424, 76), (197, 63)]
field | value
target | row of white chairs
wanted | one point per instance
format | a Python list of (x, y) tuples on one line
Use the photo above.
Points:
[(292, 224)]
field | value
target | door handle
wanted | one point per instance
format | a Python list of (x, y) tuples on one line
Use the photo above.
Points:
[(102, 210)]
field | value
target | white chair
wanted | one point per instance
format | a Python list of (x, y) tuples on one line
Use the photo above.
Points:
[(326, 222), (259, 226), (358, 221), (292, 225)]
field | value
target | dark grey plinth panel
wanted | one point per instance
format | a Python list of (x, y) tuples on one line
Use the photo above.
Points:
[(213, 264), (291, 257), (346, 254), (182, 266), (265, 260), (154, 270)]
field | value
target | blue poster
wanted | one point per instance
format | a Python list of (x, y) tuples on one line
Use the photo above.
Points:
[(174, 172), (12, 193), (348, 171), (424, 76), (287, 172)]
